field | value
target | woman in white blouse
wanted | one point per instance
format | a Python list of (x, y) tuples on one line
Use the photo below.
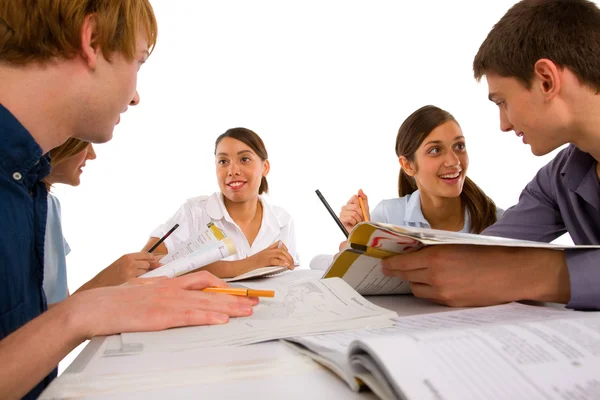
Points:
[(240, 210)]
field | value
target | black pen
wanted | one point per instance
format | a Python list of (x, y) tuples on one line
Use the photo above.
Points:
[(162, 239), (335, 217)]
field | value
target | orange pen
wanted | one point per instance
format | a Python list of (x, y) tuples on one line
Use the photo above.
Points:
[(241, 292), (362, 208)]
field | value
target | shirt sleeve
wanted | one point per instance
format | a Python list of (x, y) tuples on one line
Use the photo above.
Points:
[(378, 213), (537, 217)]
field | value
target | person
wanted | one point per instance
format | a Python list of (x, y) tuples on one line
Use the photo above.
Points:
[(433, 188), (67, 162), (68, 68), (547, 92), (240, 210)]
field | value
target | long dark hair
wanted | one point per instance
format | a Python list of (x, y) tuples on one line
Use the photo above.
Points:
[(252, 140), (412, 132)]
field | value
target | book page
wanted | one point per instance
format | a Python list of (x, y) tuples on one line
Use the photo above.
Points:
[(298, 308), (555, 359), (364, 274), (202, 239)]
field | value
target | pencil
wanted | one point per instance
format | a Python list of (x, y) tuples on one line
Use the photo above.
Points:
[(362, 208), (162, 239), (335, 217), (241, 292)]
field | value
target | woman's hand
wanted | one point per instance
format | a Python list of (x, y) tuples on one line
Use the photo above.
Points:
[(352, 214)]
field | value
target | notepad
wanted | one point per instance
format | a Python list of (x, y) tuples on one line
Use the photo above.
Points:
[(359, 264)]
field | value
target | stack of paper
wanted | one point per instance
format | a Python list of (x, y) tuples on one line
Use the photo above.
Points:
[(299, 308)]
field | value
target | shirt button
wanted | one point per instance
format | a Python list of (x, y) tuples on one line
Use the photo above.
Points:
[(17, 176)]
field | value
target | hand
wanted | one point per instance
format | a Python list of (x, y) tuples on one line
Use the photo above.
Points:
[(124, 269), (351, 213), (156, 303), (462, 275), (275, 254)]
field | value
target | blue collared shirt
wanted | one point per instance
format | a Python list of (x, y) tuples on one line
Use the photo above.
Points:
[(564, 196), (23, 208), (406, 211)]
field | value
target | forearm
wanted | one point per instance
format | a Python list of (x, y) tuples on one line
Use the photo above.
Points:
[(229, 269), (33, 351), (541, 275)]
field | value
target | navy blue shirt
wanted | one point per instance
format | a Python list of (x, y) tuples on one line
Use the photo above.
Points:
[(23, 209)]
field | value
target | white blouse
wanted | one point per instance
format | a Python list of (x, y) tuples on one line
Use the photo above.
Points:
[(197, 212)]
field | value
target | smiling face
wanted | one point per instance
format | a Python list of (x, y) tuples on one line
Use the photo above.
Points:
[(534, 117), (239, 170), (69, 171), (440, 164)]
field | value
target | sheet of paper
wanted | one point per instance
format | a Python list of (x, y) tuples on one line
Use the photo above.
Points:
[(304, 307), (553, 359), (198, 259), (365, 275), (339, 342), (202, 239)]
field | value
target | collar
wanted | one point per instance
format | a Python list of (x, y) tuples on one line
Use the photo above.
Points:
[(414, 213), (19, 152), (215, 208)]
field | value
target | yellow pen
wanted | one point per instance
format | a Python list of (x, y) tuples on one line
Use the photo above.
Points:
[(241, 292)]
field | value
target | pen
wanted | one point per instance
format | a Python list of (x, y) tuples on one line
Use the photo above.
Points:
[(362, 208), (241, 292), (162, 239), (335, 217)]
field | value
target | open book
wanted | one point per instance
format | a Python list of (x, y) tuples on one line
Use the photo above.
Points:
[(359, 263), (512, 351), (204, 248)]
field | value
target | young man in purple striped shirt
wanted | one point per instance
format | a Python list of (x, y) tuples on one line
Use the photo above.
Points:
[(542, 65)]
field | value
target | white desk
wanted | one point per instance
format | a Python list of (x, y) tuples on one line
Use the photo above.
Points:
[(270, 369)]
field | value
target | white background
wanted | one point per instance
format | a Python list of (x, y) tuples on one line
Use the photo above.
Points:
[(325, 83)]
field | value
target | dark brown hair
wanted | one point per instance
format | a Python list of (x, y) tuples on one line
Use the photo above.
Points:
[(252, 140), (567, 32), (413, 131)]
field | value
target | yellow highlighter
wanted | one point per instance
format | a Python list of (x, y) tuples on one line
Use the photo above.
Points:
[(241, 292)]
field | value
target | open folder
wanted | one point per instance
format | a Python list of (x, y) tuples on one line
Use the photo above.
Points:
[(512, 351), (359, 264)]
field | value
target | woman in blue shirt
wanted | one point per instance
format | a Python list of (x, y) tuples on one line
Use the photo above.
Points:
[(433, 188)]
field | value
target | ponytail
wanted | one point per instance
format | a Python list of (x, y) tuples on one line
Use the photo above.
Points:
[(481, 209), (406, 184)]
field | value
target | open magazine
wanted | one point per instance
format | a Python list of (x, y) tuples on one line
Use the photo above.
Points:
[(206, 247), (359, 264), (511, 351)]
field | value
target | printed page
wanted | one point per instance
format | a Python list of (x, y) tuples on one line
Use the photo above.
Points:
[(335, 346), (364, 274), (206, 238), (554, 359), (387, 233), (193, 261), (304, 307)]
